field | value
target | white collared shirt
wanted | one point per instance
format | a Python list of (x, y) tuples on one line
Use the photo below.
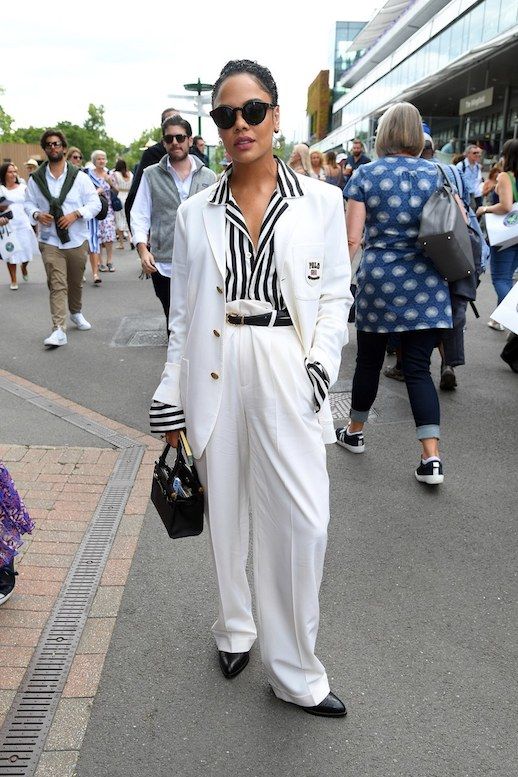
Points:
[(81, 197), (141, 208)]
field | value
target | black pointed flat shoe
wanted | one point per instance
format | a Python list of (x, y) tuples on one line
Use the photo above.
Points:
[(330, 707), (233, 663)]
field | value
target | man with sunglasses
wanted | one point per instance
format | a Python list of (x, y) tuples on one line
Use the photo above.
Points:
[(61, 199), (151, 156), (163, 188), (471, 169)]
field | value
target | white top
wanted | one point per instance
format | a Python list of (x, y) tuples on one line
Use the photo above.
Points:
[(141, 209), (122, 184), (81, 197), (24, 239), (16, 200)]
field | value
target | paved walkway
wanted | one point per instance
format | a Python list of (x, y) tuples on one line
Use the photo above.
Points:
[(418, 628), (62, 487)]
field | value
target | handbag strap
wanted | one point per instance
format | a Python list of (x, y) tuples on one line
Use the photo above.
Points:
[(446, 181), (179, 454)]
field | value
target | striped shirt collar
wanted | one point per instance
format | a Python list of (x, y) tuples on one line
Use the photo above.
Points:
[(288, 185)]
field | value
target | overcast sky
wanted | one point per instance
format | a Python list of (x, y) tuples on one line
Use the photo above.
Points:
[(57, 58)]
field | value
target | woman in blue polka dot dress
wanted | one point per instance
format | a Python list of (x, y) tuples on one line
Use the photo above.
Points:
[(399, 289)]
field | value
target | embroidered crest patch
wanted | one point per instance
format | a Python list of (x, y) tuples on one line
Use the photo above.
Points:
[(313, 270)]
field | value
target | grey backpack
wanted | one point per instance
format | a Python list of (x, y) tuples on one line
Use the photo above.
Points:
[(443, 234)]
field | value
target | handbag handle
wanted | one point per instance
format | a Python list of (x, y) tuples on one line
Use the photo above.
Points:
[(179, 454)]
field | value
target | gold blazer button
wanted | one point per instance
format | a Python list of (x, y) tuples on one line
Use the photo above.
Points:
[(219, 289), (216, 333), (214, 375)]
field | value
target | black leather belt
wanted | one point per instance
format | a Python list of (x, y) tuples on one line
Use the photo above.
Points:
[(282, 318)]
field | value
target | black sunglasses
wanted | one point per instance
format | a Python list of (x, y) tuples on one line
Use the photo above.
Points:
[(178, 138), (76, 156), (53, 144), (253, 112)]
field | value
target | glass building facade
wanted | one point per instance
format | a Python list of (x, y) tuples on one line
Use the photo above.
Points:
[(387, 80)]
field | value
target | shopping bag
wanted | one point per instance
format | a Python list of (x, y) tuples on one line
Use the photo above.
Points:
[(507, 311), (502, 230), (8, 243)]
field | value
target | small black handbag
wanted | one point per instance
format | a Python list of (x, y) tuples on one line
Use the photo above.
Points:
[(178, 495), (104, 208)]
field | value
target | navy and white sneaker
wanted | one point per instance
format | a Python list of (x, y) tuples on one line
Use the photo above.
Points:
[(353, 442), (430, 473)]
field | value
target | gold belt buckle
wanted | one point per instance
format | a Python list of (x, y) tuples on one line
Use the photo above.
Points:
[(235, 315)]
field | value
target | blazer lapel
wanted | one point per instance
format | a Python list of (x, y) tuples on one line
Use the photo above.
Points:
[(214, 220), (284, 232)]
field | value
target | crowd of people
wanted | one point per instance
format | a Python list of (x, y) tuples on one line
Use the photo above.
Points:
[(253, 272)]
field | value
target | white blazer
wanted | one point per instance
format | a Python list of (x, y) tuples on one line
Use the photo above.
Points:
[(313, 266)]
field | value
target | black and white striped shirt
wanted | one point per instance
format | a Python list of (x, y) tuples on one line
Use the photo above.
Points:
[(250, 274)]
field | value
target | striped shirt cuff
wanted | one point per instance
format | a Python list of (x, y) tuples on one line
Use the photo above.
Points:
[(320, 381), (165, 418)]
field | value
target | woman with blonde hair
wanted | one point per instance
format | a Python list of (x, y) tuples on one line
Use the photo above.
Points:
[(299, 159), (399, 289), (75, 156), (317, 170)]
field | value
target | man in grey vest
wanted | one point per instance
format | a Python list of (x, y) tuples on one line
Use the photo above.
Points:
[(164, 186)]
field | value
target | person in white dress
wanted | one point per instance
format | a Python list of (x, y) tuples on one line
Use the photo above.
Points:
[(122, 178), (18, 228)]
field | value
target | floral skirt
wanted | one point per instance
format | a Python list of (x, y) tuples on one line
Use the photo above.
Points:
[(14, 518)]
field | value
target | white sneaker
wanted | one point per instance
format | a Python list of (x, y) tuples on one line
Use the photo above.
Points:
[(58, 337), (80, 321), (495, 325), (13, 286)]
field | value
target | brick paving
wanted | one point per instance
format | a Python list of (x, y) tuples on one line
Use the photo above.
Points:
[(61, 487)]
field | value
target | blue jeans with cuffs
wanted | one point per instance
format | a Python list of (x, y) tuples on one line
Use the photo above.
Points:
[(416, 353)]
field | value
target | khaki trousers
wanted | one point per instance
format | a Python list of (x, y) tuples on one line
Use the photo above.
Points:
[(65, 269)]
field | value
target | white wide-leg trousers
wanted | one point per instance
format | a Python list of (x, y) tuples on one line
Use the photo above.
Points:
[(266, 456)]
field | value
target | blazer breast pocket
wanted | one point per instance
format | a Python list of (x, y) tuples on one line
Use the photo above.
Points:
[(308, 265)]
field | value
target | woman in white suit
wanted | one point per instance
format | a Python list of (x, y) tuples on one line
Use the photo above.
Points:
[(259, 306)]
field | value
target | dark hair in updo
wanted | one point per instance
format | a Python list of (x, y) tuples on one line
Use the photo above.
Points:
[(261, 74)]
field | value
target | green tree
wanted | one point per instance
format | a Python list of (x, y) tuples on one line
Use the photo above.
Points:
[(216, 157), (281, 148), (6, 121), (133, 154), (95, 123)]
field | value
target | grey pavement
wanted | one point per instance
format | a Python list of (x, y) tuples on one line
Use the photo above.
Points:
[(418, 606)]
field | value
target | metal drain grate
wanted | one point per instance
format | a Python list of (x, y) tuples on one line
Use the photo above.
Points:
[(28, 722), (148, 337), (115, 438), (341, 406)]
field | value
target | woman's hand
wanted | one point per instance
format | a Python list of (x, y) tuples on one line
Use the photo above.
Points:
[(481, 211), (172, 438)]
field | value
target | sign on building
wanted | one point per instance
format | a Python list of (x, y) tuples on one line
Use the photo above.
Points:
[(476, 101)]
